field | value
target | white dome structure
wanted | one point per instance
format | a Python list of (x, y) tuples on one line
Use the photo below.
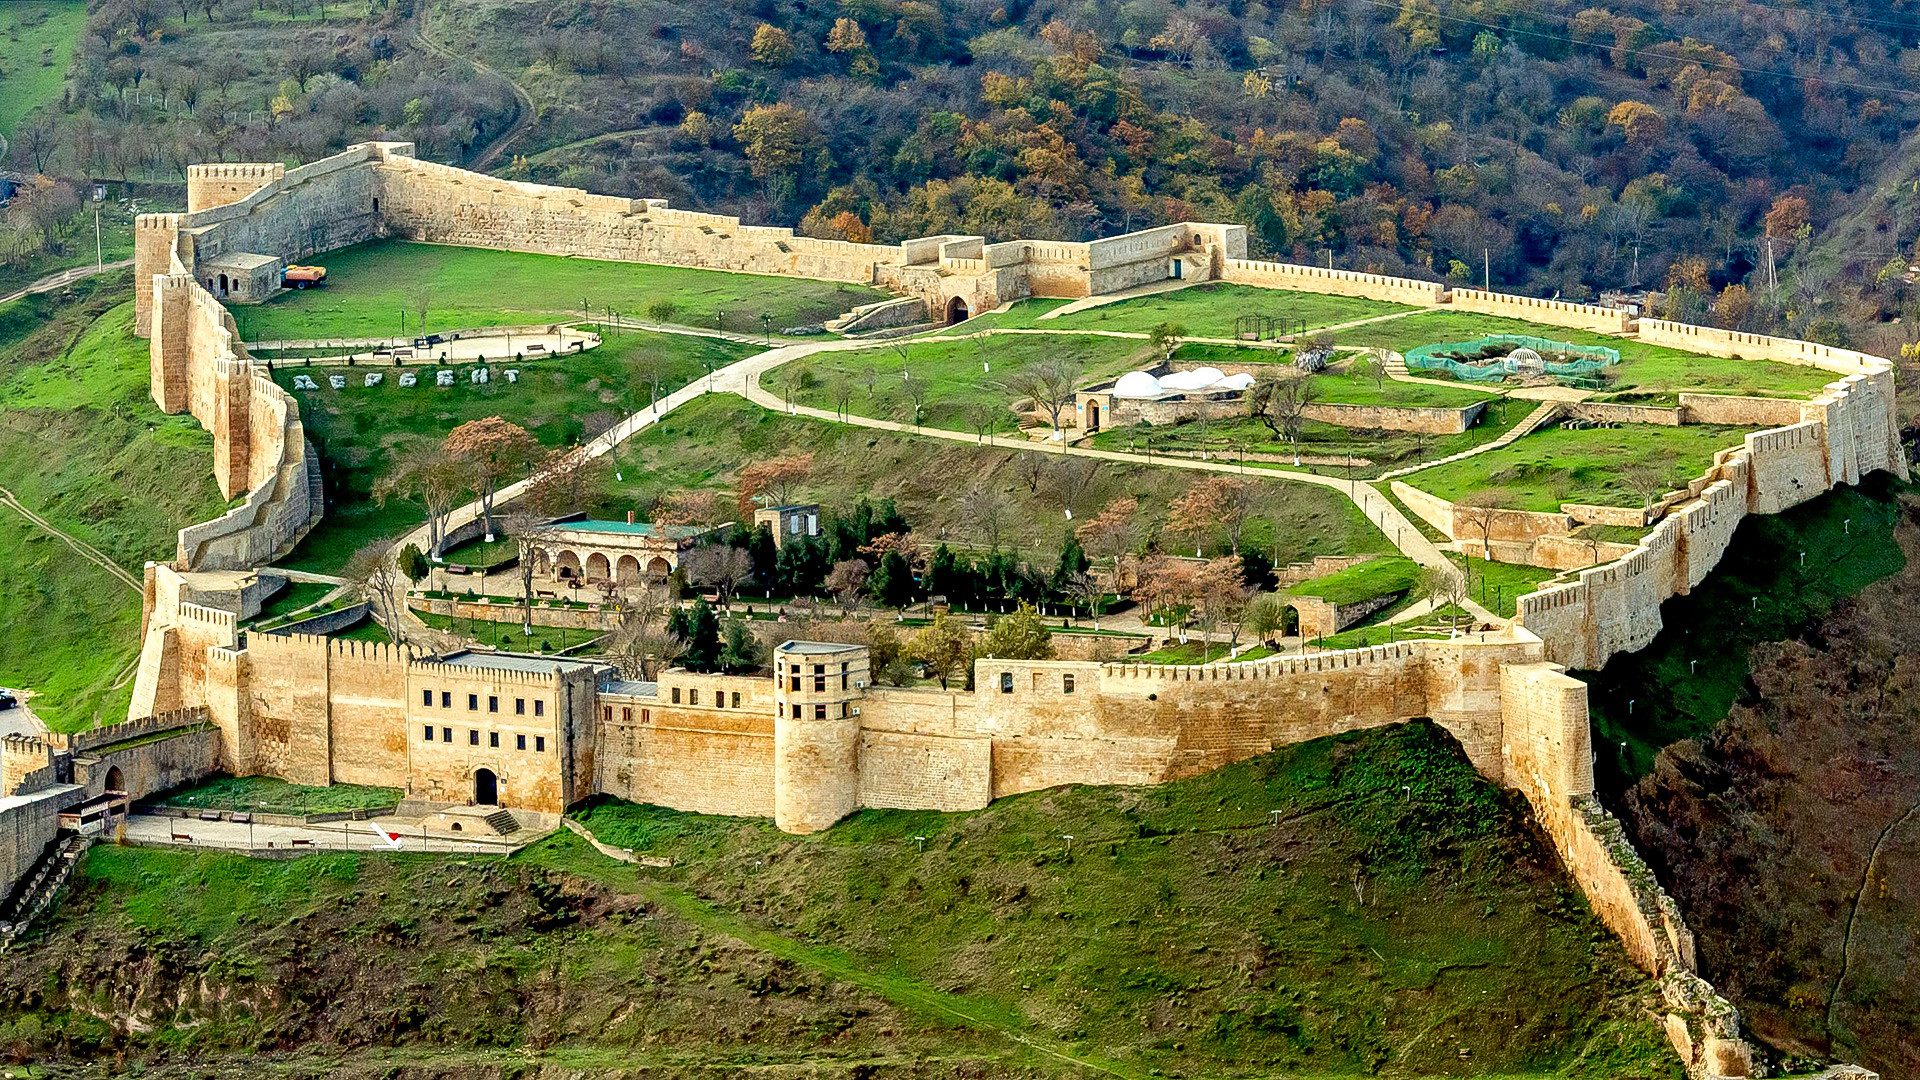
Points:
[(1235, 382), (1197, 379), (1137, 384), (1526, 361)]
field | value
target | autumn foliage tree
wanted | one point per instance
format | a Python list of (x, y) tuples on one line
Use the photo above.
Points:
[(775, 480), (1223, 502), (493, 450)]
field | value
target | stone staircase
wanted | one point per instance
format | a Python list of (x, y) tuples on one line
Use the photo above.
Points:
[(503, 823), (37, 890), (1544, 413)]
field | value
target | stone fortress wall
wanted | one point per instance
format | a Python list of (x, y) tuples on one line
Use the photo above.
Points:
[(320, 711)]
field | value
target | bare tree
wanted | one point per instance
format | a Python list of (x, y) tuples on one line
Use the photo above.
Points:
[(842, 396), (530, 535), (916, 391), (846, 580), (431, 475), (986, 507), (1443, 587), (638, 645), (1067, 479), (1050, 384), (374, 575), (1648, 481), (1478, 511), (721, 566), (982, 417), (1280, 402)]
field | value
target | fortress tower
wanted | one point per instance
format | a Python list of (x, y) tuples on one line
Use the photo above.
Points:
[(816, 733)]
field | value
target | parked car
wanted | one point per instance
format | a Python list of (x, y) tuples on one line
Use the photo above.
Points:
[(7, 700)]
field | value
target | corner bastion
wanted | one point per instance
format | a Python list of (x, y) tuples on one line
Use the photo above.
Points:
[(320, 711)]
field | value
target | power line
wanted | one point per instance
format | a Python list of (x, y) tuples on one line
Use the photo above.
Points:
[(1611, 46)]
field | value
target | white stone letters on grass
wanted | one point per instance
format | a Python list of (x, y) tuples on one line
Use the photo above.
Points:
[(305, 382)]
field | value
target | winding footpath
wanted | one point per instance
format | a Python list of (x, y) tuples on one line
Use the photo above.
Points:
[(63, 278), (743, 379)]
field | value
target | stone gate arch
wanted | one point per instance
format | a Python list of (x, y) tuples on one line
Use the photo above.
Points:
[(957, 311), (627, 571), (598, 568)]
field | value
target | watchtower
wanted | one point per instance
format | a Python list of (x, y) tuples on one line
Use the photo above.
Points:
[(816, 733)]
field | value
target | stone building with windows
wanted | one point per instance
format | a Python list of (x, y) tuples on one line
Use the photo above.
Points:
[(617, 551)]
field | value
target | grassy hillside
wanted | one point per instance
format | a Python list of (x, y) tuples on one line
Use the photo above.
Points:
[(562, 401), (82, 445), (1594, 466), (704, 444), (370, 286), (1396, 915), (36, 42)]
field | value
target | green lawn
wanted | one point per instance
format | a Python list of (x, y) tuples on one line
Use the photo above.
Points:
[(1385, 450), (1594, 466), (1498, 586), (370, 285), (1365, 581), (506, 634), (1642, 368), (297, 596), (1206, 310), (958, 376), (361, 430), (1361, 637), (266, 795), (36, 42), (82, 445)]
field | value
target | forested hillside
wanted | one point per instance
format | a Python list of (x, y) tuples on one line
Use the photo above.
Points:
[(1553, 146)]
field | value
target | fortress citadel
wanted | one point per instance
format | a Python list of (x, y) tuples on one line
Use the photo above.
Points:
[(816, 741)]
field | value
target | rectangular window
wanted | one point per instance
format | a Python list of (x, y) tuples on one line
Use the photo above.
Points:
[(473, 737), (539, 707), (820, 712), (626, 713), (819, 684), (646, 715), (693, 696), (429, 732), (606, 713), (426, 698), (446, 734), (473, 702), (795, 684), (493, 703), (446, 700), (540, 743), (519, 742), (736, 699), (843, 680), (1006, 682), (819, 669), (493, 739), (519, 706), (1066, 683), (796, 712), (676, 695)]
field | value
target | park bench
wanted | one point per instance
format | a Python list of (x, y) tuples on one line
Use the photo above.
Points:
[(301, 841), (182, 838)]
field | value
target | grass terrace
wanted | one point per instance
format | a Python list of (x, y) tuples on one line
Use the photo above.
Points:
[(508, 635), (1592, 466), (370, 285), (1365, 581), (294, 598), (1206, 310), (954, 374), (266, 795), (1498, 586), (1643, 368)]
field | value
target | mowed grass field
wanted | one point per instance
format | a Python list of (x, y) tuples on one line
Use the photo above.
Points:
[(1557, 465), (370, 285), (1643, 368), (82, 445), (362, 432), (36, 43), (958, 377), (1205, 310)]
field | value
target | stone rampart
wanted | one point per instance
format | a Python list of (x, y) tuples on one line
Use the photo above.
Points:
[(1320, 279), (1740, 411), (1600, 320), (1429, 420), (1613, 412)]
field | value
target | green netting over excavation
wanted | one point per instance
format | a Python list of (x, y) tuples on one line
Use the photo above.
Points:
[(1429, 358)]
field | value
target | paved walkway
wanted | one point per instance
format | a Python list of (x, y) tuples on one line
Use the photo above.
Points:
[(87, 551), (62, 279), (1153, 289), (368, 836)]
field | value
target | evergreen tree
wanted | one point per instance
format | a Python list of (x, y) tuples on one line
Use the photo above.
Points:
[(802, 567), (765, 554), (1256, 569), (699, 633), (1073, 563), (892, 582), (944, 577), (741, 652)]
